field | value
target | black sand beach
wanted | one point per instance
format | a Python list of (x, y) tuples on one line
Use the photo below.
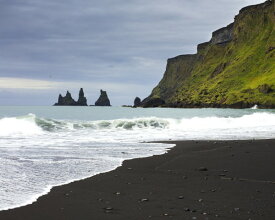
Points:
[(195, 180)]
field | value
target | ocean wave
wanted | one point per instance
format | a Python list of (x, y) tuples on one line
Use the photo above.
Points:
[(24, 125), (32, 125)]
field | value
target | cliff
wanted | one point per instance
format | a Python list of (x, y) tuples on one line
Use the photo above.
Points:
[(67, 100), (103, 99), (236, 68)]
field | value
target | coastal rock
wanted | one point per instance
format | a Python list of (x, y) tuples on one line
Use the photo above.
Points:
[(82, 100), (154, 102), (223, 35), (221, 74), (137, 102), (67, 100), (202, 169), (265, 88), (202, 46), (103, 99)]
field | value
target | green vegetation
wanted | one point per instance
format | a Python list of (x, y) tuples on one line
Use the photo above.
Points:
[(241, 70)]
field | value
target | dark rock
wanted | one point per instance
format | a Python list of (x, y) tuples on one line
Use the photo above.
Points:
[(103, 99), (82, 101), (265, 89), (67, 100), (137, 102), (152, 102), (202, 169), (240, 105), (223, 35), (109, 208), (202, 46), (219, 69), (270, 49)]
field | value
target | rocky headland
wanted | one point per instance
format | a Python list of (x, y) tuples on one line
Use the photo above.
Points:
[(235, 69)]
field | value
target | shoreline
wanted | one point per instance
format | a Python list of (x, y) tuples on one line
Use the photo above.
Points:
[(184, 182)]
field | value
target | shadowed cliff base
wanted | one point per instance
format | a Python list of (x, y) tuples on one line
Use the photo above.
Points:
[(235, 69)]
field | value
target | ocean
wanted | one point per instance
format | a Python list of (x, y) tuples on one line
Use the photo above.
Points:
[(42, 147)]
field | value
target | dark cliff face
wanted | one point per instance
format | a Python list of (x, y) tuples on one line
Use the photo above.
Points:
[(67, 100), (223, 35), (236, 68), (103, 99)]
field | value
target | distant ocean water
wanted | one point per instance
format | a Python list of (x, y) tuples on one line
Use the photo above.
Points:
[(42, 147)]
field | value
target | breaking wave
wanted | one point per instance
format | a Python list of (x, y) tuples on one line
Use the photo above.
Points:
[(33, 125)]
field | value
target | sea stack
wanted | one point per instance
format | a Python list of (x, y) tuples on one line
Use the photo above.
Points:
[(82, 101), (103, 99), (67, 100), (137, 102)]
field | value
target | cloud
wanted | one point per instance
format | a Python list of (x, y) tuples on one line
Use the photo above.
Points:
[(117, 42), (19, 83)]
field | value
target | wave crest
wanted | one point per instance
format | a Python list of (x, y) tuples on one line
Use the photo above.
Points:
[(33, 125)]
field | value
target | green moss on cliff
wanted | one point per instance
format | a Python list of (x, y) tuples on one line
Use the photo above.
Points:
[(240, 70)]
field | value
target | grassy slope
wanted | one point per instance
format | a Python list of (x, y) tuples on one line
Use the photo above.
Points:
[(227, 74)]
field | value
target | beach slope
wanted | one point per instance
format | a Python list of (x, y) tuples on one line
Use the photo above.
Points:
[(194, 180)]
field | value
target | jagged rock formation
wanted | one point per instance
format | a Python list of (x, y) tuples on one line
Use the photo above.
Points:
[(103, 99), (67, 100), (236, 68), (82, 101), (223, 35), (137, 102)]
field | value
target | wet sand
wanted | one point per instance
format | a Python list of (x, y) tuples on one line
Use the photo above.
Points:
[(194, 180)]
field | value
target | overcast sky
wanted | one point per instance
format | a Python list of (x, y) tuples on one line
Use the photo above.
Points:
[(50, 46)]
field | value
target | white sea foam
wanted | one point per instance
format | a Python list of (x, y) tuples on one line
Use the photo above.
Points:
[(19, 126), (41, 152), (255, 123)]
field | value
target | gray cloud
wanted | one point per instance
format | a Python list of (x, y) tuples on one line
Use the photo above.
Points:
[(104, 41)]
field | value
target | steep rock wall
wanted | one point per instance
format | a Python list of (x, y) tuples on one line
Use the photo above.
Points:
[(229, 70)]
